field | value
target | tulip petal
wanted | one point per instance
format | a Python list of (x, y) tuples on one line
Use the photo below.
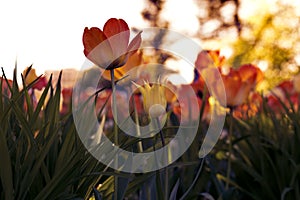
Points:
[(97, 47), (204, 60), (114, 26), (117, 31), (134, 44), (251, 73), (91, 38), (232, 83)]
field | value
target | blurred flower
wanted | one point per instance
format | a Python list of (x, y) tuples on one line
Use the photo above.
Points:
[(207, 64), (185, 110), (136, 104), (209, 58), (284, 94), (110, 48), (296, 83), (218, 60), (5, 86), (198, 84), (103, 103), (238, 84), (30, 76), (154, 99), (67, 100), (250, 108), (133, 61), (251, 72)]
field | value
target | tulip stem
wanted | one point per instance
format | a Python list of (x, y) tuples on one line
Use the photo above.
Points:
[(160, 132), (116, 142), (114, 106), (137, 124), (166, 172), (229, 149)]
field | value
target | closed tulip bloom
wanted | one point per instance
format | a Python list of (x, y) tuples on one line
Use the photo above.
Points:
[(154, 99), (237, 89), (251, 73), (31, 76), (239, 83), (110, 48)]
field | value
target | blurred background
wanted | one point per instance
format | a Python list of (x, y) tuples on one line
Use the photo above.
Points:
[(49, 34)]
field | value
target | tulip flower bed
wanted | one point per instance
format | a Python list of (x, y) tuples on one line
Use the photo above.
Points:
[(44, 157)]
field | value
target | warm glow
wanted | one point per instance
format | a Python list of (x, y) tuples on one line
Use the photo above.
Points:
[(49, 34)]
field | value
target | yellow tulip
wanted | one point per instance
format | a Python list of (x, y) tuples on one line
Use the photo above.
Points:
[(31, 76), (154, 99)]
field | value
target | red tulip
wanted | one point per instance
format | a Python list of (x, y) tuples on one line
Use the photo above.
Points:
[(110, 48), (67, 100), (5, 87), (283, 93)]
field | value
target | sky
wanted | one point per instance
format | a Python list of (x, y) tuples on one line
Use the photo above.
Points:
[(48, 34)]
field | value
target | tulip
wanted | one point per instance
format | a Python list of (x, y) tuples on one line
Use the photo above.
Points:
[(30, 76), (238, 84), (5, 86), (67, 100), (110, 48), (251, 73), (285, 93), (209, 58), (154, 99), (133, 61), (249, 109)]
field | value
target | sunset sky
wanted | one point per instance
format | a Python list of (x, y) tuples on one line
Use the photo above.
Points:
[(48, 34)]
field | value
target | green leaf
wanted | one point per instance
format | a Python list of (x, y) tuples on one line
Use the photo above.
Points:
[(5, 168)]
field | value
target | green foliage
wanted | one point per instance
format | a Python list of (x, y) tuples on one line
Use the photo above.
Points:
[(41, 155), (43, 158), (266, 162)]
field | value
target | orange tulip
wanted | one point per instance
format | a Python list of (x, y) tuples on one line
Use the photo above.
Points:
[(239, 83), (209, 58), (250, 108), (133, 61), (110, 48), (237, 90), (251, 73)]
